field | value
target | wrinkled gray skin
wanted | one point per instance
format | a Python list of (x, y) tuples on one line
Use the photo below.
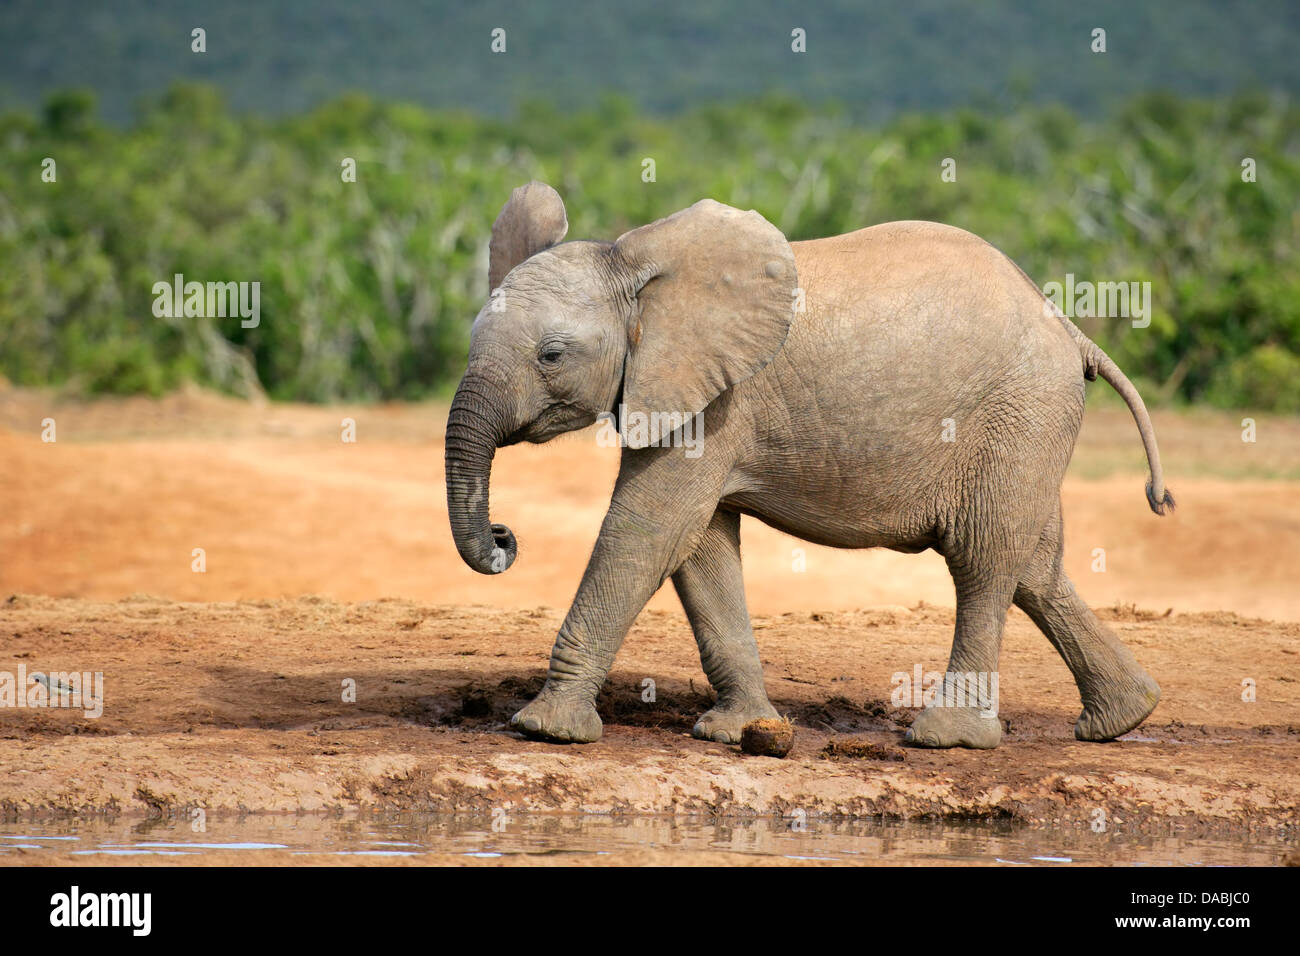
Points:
[(826, 423)]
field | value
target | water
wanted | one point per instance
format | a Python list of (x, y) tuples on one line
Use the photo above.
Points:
[(267, 839)]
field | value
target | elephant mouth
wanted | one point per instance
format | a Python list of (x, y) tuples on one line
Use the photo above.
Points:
[(555, 419)]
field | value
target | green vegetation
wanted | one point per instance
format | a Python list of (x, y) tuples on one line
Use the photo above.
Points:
[(367, 288)]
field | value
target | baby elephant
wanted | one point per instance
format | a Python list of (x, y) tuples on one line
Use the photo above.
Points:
[(905, 386)]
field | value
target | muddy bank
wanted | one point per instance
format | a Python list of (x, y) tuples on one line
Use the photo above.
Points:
[(239, 707)]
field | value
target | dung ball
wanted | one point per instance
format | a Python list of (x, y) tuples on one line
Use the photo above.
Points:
[(767, 737)]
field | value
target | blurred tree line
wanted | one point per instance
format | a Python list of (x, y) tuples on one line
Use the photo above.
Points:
[(666, 56), (368, 287)]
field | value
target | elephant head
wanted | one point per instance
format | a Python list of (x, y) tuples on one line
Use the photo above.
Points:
[(662, 320)]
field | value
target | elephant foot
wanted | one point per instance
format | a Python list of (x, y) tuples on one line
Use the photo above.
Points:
[(560, 721), (724, 722), (1109, 714), (955, 727)]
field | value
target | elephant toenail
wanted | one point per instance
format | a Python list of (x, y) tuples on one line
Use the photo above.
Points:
[(532, 723)]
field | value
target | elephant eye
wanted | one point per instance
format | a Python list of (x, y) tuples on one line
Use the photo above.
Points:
[(551, 355)]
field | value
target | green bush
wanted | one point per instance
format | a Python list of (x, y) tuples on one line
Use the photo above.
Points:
[(1265, 377), (368, 288)]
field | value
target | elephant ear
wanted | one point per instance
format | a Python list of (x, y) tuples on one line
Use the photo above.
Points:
[(532, 219), (714, 301)]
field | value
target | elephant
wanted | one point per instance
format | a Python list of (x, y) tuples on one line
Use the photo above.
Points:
[(904, 386)]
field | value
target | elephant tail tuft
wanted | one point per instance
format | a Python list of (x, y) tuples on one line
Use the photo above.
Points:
[(1160, 505)]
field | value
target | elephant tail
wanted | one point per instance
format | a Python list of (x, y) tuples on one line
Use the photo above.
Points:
[(1098, 363)]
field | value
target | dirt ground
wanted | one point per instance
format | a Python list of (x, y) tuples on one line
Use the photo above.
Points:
[(282, 507), (223, 688)]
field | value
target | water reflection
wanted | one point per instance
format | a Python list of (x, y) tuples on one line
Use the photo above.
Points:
[(405, 835)]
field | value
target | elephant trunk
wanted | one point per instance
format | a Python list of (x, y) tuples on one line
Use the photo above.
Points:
[(475, 428)]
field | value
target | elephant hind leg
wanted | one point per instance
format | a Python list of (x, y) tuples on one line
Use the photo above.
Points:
[(712, 591), (985, 570), (1117, 693)]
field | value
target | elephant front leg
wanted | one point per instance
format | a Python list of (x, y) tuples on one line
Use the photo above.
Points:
[(712, 591), (652, 526), (612, 592), (565, 710)]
